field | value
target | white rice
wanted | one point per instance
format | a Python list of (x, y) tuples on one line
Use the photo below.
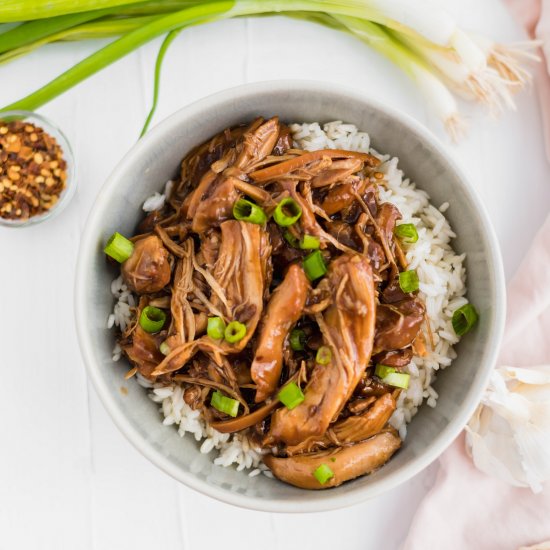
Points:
[(442, 287)]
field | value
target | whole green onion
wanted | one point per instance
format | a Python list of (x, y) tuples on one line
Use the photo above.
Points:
[(291, 395), (247, 211), (297, 339), (408, 281), (119, 247), (464, 318), (309, 242), (323, 473), (407, 233), (314, 265), (323, 356), (235, 332), (152, 319), (397, 379), (383, 370), (224, 404), (215, 328), (287, 212)]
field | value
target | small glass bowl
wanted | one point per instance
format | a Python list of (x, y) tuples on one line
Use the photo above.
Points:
[(70, 182)]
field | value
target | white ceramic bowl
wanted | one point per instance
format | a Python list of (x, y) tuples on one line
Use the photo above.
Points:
[(155, 159)]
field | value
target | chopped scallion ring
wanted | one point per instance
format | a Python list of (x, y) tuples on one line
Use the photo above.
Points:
[(215, 328), (224, 404), (314, 265), (152, 319), (323, 473), (309, 242), (464, 318), (383, 370), (119, 247), (288, 212), (397, 379), (291, 395), (235, 332), (323, 356), (291, 239), (408, 281), (297, 339), (407, 233), (164, 348), (247, 211)]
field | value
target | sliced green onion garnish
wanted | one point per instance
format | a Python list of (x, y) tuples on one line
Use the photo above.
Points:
[(119, 247), (309, 242), (215, 328), (397, 379), (164, 348), (383, 370), (407, 233), (324, 355), (291, 395), (224, 404), (152, 319), (234, 332), (464, 318), (314, 265), (297, 339), (323, 473), (408, 281), (288, 211), (291, 239), (247, 211)]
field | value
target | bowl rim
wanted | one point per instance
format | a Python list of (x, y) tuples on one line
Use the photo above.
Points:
[(328, 502)]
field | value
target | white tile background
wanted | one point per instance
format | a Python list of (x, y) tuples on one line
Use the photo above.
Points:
[(68, 478)]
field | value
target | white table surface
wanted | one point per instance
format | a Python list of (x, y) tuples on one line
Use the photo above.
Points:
[(68, 478)]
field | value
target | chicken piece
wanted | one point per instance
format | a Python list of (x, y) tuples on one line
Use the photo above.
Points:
[(348, 329), (345, 462), (397, 324), (341, 196), (396, 358), (352, 429), (216, 205), (304, 162), (284, 141), (257, 144), (142, 350), (340, 170), (237, 283), (148, 269), (284, 309)]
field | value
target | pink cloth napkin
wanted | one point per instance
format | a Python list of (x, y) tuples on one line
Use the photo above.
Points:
[(467, 509)]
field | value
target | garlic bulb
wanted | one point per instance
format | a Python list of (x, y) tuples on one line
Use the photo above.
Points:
[(508, 437)]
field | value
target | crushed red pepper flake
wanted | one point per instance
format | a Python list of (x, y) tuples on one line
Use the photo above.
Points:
[(33, 172)]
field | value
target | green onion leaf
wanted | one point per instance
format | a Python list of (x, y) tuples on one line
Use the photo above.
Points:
[(383, 370), (464, 318), (291, 395), (297, 339), (309, 242), (119, 247), (235, 332), (323, 473), (314, 265), (288, 212), (215, 328), (247, 211), (164, 348), (397, 379), (408, 281), (407, 233), (224, 404), (152, 319), (324, 355), (291, 239)]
